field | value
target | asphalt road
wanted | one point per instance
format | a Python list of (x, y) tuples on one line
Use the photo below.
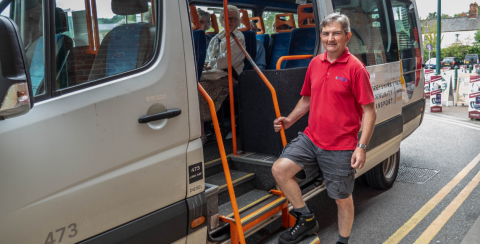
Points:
[(446, 144)]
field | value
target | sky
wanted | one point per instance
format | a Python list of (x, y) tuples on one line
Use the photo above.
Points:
[(449, 7)]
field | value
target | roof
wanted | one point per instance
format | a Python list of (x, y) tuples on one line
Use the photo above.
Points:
[(457, 24)]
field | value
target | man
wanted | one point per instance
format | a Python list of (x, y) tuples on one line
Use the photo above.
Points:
[(337, 92), (205, 22)]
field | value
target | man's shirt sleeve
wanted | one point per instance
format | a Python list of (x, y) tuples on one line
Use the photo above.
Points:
[(362, 89), (306, 90)]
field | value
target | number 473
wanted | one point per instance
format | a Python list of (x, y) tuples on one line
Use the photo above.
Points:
[(73, 233)]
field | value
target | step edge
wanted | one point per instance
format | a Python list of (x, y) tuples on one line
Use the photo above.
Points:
[(237, 182)]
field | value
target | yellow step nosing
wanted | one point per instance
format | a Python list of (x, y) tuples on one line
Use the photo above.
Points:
[(256, 214), (237, 180), (249, 205)]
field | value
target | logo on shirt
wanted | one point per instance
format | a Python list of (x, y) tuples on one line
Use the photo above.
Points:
[(341, 78)]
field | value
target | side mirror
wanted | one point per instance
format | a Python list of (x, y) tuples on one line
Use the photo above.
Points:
[(15, 84)]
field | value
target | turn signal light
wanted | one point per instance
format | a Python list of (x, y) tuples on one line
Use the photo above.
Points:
[(197, 222)]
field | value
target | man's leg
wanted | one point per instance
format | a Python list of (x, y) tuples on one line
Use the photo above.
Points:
[(284, 171), (345, 216)]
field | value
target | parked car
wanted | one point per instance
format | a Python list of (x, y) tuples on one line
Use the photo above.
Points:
[(472, 59), (451, 62), (431, 63)]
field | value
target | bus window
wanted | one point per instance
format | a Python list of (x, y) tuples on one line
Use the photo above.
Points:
[(269, 21), (101, 38), (28, 16), (406, 28), (371, 41)]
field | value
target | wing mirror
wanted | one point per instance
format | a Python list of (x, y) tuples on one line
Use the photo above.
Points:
[(15, 85)]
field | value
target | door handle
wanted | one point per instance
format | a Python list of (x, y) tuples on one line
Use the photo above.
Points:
[(170, 113)]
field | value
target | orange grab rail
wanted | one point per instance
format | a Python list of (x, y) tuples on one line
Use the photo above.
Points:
[(293, 57), (223, 155), (230, 82), (234, 132), (269, 85)]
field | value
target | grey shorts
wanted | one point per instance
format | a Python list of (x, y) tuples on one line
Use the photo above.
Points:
[(339, 176)]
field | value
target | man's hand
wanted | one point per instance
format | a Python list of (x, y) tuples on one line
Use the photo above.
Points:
[(358, 158), (277, 124)]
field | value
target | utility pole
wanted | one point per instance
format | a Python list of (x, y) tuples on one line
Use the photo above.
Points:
[(439, 34)]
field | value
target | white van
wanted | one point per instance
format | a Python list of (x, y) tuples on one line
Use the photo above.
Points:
[(100, 122)]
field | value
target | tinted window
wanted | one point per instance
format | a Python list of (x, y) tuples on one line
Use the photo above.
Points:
[(407, 29), (100, 38), (6, 11), (372, 39)]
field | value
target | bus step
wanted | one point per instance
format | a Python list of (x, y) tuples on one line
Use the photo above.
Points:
[(246, 202), (273, 238), (243, 182)]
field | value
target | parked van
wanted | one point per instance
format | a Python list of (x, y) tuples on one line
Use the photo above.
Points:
[(100, 122), (471, 59)]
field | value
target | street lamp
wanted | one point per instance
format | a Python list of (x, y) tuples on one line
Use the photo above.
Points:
[(439, 33)]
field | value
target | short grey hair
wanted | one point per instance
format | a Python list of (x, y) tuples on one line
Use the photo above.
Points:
[(338, 18), (206, 17), (234, 9)]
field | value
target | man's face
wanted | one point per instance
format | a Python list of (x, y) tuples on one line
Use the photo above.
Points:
[(334, 38), (232, 20)]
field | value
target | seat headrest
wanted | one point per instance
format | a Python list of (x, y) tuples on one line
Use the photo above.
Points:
[(61, 21), (194, 17), (260, 25), (282, 25), (306, 19), (244, 20), (129, 7), (213, 19)]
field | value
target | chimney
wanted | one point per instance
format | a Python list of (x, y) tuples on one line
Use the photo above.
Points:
[(473, 11)]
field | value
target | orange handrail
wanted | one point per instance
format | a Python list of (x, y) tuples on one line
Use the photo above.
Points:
[(269, 85), (292, 57), (230, 82), (223, 155)]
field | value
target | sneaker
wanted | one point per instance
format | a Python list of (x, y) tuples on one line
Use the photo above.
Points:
[(305, 225)]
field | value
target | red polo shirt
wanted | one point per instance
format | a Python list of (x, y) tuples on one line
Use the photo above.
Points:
[(337, 91)]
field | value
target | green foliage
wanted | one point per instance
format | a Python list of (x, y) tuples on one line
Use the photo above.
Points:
[(458, 50), (269, 19), (434, 16), (445, 16), (477, 36), (113, 20), (430, 37)]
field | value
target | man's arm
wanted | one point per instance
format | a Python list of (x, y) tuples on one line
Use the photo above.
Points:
[(303, 106), (370, 115)]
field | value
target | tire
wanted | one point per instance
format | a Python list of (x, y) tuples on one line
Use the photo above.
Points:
[(362, 180), (383, 176)]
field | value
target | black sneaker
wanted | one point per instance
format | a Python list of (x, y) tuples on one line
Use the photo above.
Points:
[(305, 225)]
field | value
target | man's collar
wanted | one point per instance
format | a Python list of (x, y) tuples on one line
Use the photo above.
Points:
[(342, 59)]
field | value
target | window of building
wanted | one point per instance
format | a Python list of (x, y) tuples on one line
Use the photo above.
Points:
[(372, 39), (96, 39), (6, 11), (457, 36)]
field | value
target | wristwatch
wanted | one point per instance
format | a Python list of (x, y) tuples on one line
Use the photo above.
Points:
[(363, 146)]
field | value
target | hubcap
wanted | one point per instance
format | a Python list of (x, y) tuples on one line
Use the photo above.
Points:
[(389, 166)]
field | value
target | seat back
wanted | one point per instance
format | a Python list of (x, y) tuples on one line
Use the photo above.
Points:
[(283, 25), (281, 42), (213, 19), (302, 42), (259, 23), (200, 44), (251, 47), (125, 47)]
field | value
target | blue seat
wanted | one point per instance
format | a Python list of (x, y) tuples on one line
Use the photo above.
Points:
[(200, 44), (251, 47), (265, 39), (302, 42), (281, 42)]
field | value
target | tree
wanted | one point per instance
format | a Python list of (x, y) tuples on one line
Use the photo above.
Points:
[(477, 36), (432, 15), (445, 16), (430, 36)]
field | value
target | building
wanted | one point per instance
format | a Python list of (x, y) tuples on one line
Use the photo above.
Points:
[(461, 29)]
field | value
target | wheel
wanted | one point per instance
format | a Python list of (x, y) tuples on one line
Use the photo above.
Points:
[(362, 180), (383, 175)]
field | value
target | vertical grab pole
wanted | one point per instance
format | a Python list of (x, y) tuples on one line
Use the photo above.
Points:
[(221, 148), (230, 82), (269, 85)]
